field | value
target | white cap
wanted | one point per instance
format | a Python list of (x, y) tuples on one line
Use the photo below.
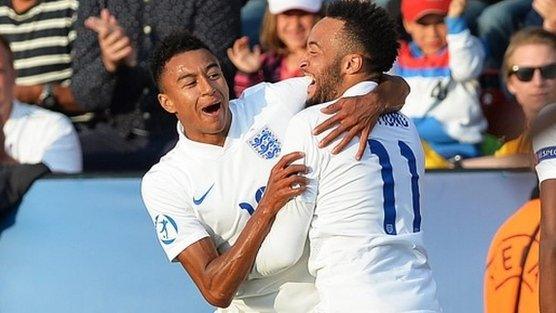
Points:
[(280, 6)]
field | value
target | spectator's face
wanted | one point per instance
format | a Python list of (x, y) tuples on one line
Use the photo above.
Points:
[(7, 81), (195, 90), (293, 27), (429, 32), (532, 95), (322, 62)]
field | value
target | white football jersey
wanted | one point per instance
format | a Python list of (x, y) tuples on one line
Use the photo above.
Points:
[(199, 190), (366, 247), (544, 143)]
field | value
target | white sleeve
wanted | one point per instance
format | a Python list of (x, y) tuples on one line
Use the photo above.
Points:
[(290, 93), (175, 223), (63, 153), (284, 244), (544, 143), (466, 56)]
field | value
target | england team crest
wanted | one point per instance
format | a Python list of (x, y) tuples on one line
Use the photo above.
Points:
[(266, 144)]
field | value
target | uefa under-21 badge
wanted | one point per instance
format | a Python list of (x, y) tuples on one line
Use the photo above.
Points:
[(266, 144), (166, 228)]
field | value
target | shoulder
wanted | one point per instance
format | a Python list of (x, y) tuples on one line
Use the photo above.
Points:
[(166, 178), (309, 117), (289, 94), (38, 115), (544, 132), (277, 88), (395, 126)]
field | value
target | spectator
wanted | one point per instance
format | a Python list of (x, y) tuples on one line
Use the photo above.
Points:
[(111, 76), (41, 35), (286, 27), (32, 135), (441, 64), (530, 74)]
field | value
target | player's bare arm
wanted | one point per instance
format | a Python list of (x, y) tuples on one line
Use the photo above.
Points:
[(219, 276), (356, 116), (548, 247)]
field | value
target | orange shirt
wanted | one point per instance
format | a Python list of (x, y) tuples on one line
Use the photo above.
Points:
[(511, 282)]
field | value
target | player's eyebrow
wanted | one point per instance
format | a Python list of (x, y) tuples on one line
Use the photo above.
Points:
[(185, 75), (314, 43), (212, 65)]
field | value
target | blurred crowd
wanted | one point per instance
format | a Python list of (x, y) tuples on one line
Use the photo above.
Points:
[(77, 95)]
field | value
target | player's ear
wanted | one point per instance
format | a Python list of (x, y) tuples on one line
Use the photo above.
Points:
[(353, 63), (166, 103)]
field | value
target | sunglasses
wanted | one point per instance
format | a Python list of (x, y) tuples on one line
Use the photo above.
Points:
[(525, 74)]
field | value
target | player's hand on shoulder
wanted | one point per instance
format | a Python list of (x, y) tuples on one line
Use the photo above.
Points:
[(352, 117), (286, 181)]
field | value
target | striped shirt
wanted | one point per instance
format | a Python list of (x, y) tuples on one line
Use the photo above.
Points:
[(41, 39)]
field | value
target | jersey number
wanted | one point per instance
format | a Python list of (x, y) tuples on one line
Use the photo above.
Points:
[(379, 150)]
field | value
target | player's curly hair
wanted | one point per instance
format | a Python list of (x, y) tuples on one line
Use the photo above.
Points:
[(175, 43), (370, 28)]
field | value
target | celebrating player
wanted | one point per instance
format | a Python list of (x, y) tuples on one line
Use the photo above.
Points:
[(206, 195), (366, 245)]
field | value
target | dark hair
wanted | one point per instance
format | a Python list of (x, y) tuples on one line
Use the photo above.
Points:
[(370, 28), (176, 43)]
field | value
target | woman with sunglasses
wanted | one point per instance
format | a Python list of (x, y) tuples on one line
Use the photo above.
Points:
[(512, 273), (529, 70)]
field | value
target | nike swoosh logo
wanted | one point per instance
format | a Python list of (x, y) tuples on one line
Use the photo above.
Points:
[(201, 199)]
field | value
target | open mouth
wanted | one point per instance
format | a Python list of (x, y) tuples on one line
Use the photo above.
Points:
[(312, 85), (212, 109)]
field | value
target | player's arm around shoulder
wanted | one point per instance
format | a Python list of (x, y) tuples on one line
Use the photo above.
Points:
[(290, 94), (356, 116)]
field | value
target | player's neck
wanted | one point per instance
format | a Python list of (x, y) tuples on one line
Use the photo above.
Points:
[(349, 81), (217, 138)]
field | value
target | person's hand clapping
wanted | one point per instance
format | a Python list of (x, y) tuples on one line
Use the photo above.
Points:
[(115, 46), (246, 60)]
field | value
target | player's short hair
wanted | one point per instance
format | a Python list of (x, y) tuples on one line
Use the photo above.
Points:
[(174, 44), (370, 28)]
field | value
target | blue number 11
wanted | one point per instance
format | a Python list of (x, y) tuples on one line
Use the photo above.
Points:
[(379, 150)]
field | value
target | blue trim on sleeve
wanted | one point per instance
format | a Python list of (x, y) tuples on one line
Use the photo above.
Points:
[(456, 25), (546, 153)]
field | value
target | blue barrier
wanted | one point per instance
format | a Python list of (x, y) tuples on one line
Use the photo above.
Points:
[(87, 245)]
